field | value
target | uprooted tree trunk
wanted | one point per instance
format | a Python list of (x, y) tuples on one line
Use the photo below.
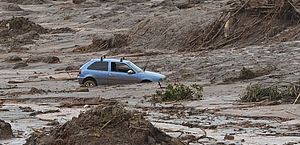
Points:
[(251, 22)]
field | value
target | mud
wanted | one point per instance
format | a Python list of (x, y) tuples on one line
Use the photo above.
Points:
[(5, 130), (25, 2), (11, 7), (168, 35), (102, 44)]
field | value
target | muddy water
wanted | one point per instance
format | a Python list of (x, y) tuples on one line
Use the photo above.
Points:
[(23, 124), (250, 131)]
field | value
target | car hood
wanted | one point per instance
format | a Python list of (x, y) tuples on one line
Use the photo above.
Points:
[(154, 74)]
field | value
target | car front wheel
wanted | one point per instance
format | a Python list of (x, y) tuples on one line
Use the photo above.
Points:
[(89, 83)]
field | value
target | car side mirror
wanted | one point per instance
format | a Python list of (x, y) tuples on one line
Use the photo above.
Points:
[(130, 71)]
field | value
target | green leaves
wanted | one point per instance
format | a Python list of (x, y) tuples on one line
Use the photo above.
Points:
[(177, 92)]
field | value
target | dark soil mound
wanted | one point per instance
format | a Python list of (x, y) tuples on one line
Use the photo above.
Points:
[(51, 59), (105, 126), (20, 25), (5, 130), (19, 30), (105, 43)]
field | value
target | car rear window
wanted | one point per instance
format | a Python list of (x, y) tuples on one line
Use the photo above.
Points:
[(103, 66)]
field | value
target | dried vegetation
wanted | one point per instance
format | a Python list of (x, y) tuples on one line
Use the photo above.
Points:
[(251, 22), (282, 93)]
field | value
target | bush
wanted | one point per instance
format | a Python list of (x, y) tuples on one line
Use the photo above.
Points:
[(259, 92), (179, 92)]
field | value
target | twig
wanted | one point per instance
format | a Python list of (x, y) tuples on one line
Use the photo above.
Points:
[(200, 137), (105, 125), (296, 99), (292, 113)]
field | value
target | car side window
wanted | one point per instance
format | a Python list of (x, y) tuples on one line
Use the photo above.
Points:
[(102, 66), (119, 67)]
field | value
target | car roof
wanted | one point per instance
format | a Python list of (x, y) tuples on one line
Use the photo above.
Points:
[(110, 60)]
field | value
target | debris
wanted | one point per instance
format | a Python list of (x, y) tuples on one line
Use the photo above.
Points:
[(34, 59), (19, 30), (45, 59), (260, 92), (13, 58), (8, 87), (43, 112), (78, 90), (16, 81), (11, 7), (105, 125), (20, 65), (250, 22), (5, 130), (105, 43), (53, 123), (61, 30), (50, 59), (87, 101), (72, 67), (3, 110), (21, 25), (25, 2), (78, 1), (26, 109), (172, 31), (247, 73), (34, 90), (297, 98), (228, 137), (18, 49)]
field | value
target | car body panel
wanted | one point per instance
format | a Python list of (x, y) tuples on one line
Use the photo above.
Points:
[(122, 78), (113, 77)]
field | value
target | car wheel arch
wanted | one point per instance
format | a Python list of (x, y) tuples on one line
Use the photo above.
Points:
[(146, 81), (90, 78)]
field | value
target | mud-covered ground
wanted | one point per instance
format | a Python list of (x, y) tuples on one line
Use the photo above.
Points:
[(38, 92)]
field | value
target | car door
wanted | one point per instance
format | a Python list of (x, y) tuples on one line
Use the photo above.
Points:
[(99, 71), (118, 74)]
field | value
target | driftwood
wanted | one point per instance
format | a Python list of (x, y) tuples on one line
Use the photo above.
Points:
[(251, 22)]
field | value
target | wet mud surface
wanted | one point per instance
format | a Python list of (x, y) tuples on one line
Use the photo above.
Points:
[(39, 90)]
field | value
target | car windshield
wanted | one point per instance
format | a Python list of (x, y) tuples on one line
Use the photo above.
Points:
[(135, 67)]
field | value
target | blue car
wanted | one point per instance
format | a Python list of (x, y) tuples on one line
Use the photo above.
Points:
[(114, 71)]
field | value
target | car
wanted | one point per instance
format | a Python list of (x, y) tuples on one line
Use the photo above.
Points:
[(108, 71)]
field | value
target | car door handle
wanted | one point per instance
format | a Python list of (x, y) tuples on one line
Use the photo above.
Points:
[(109, 74)]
